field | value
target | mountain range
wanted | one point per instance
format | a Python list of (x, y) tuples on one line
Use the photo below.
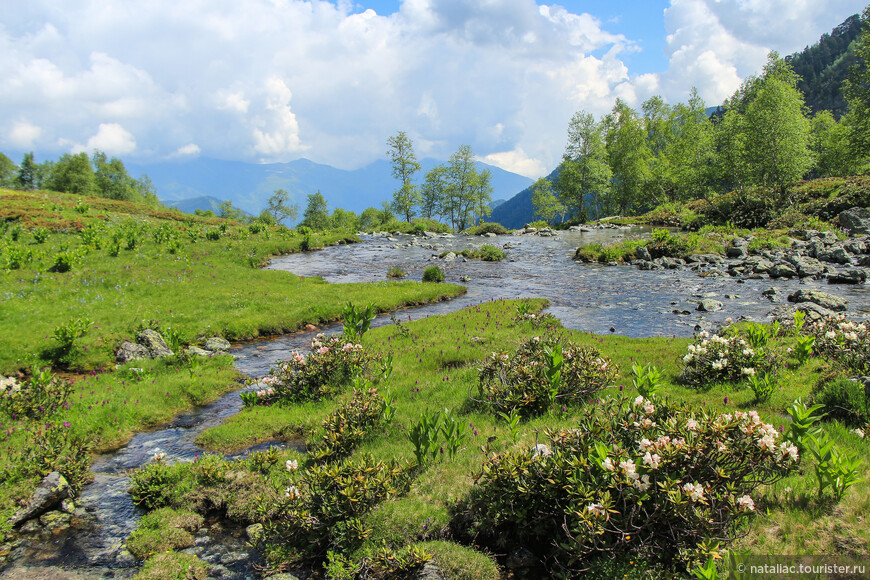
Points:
[(203, 183)]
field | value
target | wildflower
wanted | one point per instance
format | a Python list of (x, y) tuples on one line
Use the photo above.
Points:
[(596, 509), (691, 425), (748, 371), (159, 456), (639, 401), (790, 450), (830, 334), (629, 468), (608, 465), (323, 350), (649, 408), (292, 465), (767, 443), (695, 491), (652, 459), (645, 444), (746, 503), (292, 492), (858, 432), (643, 483)]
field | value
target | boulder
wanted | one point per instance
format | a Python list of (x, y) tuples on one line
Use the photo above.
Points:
[(155, 344), (217, 344), (850, 276), (785, 313), (709, 305), (50, 492), (856, 220), (196, 351), (807, 267), (130, 351), (782, 270), (762, 266), (736, 252), (449, 257), (823, 299), (55, 521), (642, 253)]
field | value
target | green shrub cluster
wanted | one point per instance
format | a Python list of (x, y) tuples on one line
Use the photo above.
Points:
[(488, 228), (346, 427), (36, 398), (544, 371), (323, 373), (716, 358), (162, 530), (843, 340), (845, 400), (640, 477), (433, 274)]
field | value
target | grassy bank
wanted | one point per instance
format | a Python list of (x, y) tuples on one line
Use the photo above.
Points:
[(81, 275)]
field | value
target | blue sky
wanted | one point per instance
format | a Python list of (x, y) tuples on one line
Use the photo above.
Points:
[(276, 80)]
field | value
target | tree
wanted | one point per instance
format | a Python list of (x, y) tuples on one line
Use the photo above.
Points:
[(777, 131), (461, 175), (279, 208), (628, 155), (434, 191), (547, 205), (368, 219), (228, 212), (111, 178), (857, 91), (831, 146), (481, 191), (73, 174), (405, 165), (8, 171), (691, 152), (344, 220), (316, 216), (584, 171), (27, 173)]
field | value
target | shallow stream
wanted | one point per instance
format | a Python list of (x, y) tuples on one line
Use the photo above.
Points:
[(595, 298)]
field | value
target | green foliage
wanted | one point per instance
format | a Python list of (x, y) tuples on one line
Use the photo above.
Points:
[(405, 165), (36, 398), (331, 364), (665, 243), (647, 380), (157, 484), (316, 215), (51, 447), (487, 228), (162, 530), (542, 372), (843, 340), (323, 512), (213, 235), (433, 274), (801, 429), (845, 400), (727, 358), (67, 336), (40, 235), (763, 385), (357, 322), (424, 436), (637, 478), (545, 202), (803, 349), (173, 566), (65, 260), (396, 272), (279, 208), (346, 427), (834, 469)]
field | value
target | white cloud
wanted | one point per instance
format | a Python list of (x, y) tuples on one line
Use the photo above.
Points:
[(277, 79), (518, 162), (23, 135), (189, 150), (112, 139)]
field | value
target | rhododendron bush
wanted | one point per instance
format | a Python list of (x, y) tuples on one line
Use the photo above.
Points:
[(714, 358), (843, 340), (322, 373), (635, 476)]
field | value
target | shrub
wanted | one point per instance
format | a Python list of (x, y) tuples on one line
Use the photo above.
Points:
[(433, 274), (346, 427), (526, 380), (213, 235), (38, 397), (723, 358), (64, 261), (330, 365), (17, 257), (52, 447), (40, 234), (396, 272), (157, 484), (666, 244), (323, 512), (488, 228), (661, 480), (843, 340), (357, 321), (67, 335), (489, 253), (162, 530), (845, 400)]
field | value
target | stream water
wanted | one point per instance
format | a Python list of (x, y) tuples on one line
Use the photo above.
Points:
[(595, 298)]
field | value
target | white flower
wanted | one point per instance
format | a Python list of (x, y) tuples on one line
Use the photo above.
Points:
[(691, 425), (159, 456), (639, 401), (595, 509), (629, 468), (652, 459), (830, 334), (649, 408), (291, 465), (694, 491), (746, 503), (748, 352), (292, 492), (722, 448), (645, 444), (608, 464), (643, 483), (767, 443), (858, 432), (748, 371), (790, 450)]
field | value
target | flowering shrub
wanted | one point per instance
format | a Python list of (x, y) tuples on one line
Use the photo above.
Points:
[(843, 340), (36, 398), (346, 427), (322, 512), (526, 380), (331, 363), (844, 400), (724, 358), (635, 477)]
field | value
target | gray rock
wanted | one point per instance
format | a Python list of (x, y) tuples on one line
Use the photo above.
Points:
[(806, 266), (838, 255), (449, 257), (52, 490), (255, 533), (642, 253), (850, 276), (68, 506), (762, 266), (217, 344), (856, 220), (823, 299), (155, 344), (782, 271), (736, 252), (770, 292), (282, 576), (785, 313), (709, 305), (130, 351), (195, 350), (489, 235), (430, 572), (55, 521), (856, 246)]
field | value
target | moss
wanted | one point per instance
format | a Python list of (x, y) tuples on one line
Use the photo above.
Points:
[(460, 562), (161, 530), (173, 566)]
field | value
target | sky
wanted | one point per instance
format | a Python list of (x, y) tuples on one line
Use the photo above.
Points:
[(266, 81)]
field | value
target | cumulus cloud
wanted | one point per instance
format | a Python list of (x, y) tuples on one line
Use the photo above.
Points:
[(516, 161), (272, 80)]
